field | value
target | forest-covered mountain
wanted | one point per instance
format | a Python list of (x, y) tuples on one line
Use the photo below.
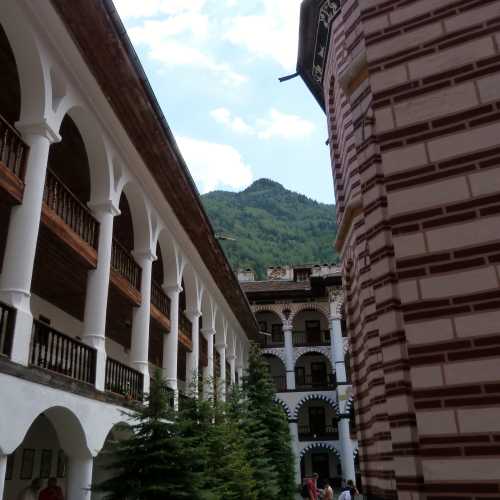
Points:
[(271, 226)]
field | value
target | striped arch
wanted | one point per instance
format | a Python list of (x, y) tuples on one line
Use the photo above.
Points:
[(295, 309), (355, 452), (277, 353), (284, 406), (314, 397), (324, 350), (349, 405), (269, 308), (322, 445)]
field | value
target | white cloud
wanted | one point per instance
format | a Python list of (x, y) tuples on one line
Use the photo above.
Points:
[(272, 34), (235, 123), (284, 126), (214, 165), (276, 124)]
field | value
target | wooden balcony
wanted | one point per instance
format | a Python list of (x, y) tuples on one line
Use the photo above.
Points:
[(279, 383), (123, 380), (160, 306), (125, 273), (13, 155), (318, 433), (185, 331), (306, 338), (57, 352), (70, 220), (7, 318), (316, 383)]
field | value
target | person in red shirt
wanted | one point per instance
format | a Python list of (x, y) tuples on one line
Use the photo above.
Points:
[(312, 486), (52, 491)]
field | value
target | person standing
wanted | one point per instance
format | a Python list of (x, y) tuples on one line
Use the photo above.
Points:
[(31, 491), (312, 487), (327, 491), (52, 491)]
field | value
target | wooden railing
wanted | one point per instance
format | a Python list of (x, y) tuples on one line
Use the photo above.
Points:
[(301, 338), (7, 318), (70, 209), (160, 299), (13, 151), (124, 264), (59, 353), (316, 382), (123, 380), (326, 433), (185, 326), (268, 341), (280, 383)]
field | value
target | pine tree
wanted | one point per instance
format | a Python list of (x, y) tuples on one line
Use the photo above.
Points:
[(267, 433), (153, 463)]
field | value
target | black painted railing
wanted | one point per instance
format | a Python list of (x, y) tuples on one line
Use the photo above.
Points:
[(123, 380), (160, 299), (124, 264), (60, 353), (322, 433), (269, 341), (70, 209), (7, 319), (13, 150), (316, 382)]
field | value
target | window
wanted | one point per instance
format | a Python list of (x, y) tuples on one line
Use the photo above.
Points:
[(302, 274), (313, 331), (263, 326)]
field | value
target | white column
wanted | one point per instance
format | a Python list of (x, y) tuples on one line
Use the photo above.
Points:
[(79, 478), (232, 364), (221, 387), (337, 358), (346, 450), (96, 299), (3, 469), (294, 432), (22, 237), (290, 368), (208, 381), (239, 369), (193, 357), (139, 349), (171, 340)]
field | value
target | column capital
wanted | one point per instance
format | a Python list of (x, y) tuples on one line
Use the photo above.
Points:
[(172, 289), (104, 207), (231, 357), (208, 332), (335, 317), (41, 128), (220, 345), (287, 327), (144, 254), (193, 314)]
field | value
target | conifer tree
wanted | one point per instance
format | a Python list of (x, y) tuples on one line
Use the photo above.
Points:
[(267, 433), (153, 463)]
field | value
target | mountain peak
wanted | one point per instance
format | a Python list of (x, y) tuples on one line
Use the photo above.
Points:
[(263, 183)]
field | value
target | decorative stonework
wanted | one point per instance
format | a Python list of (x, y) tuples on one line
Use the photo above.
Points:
[(283, 405), (314, 397), (300, 351), (325, 445), (279, 352)]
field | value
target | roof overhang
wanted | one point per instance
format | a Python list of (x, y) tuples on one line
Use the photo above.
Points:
[(103, 42), (316, 18)]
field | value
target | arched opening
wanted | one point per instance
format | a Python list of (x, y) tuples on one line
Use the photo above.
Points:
[(310, 327), (317, 421), (102, 461), (277, 371), (271, 329), (54, 435), (323, 461), (10, 109), (313, 371)]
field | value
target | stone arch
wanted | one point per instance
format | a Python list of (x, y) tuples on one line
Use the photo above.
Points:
[(270, 309), (277, 353), (284, 407), (208, 312), (32, 67), (323, 350), (320, 445), (172, 260), (296, 309), (193, 288), (314, 397), (349, 406), (141, 216)]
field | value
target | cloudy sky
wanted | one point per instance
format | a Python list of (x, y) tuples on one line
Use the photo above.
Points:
[(214, 66)]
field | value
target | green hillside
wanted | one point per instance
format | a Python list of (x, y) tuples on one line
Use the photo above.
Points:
[(272, 226)]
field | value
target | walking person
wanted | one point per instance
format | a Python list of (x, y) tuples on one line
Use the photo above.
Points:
[(52, 491), (327, 491), (312, 487), (31, 491)]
